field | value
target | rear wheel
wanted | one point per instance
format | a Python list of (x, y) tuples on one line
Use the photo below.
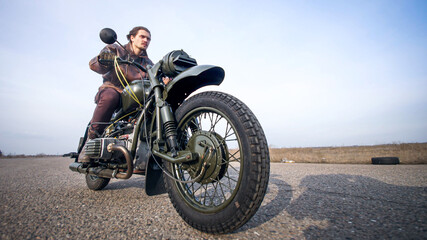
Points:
[(224, 188), (96, 183)]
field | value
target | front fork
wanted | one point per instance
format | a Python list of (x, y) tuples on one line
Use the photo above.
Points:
[(169, 125), (165, 117)]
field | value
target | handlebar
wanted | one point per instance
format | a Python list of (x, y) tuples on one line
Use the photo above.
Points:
[(119, 60), (142, 68)]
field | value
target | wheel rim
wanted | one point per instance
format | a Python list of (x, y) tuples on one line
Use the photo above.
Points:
[(222, 178)]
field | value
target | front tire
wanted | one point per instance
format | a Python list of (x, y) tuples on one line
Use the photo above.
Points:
[(225, 193)]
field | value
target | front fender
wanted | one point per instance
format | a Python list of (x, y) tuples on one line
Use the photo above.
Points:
[(190, 80), (154, 184)]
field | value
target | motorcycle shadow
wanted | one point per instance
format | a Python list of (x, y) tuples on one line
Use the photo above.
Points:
[(271, 208), (134, 182), (343, 206)]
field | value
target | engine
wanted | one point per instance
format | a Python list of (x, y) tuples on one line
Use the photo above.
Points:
[(119, 134), (98, 147)]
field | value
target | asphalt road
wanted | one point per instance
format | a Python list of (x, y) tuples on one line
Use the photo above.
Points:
[(41, 199)]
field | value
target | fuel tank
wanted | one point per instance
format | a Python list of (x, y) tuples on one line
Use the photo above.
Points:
[(141, 89)]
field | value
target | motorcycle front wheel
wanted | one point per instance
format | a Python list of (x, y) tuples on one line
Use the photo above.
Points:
[(224, 188)]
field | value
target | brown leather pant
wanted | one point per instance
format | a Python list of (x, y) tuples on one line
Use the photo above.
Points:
[(107, 100)]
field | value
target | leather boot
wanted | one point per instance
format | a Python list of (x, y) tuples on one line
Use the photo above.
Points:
[(83, 158)]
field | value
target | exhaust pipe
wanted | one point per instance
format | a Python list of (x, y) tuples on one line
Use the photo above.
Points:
[(97, 171), (106, 172), (129, 172)]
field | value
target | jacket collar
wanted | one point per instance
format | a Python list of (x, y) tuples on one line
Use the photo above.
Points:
[(128, 47)]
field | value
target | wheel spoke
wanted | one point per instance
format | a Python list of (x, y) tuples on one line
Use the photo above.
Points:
[(233, 156), (218, 118), (229, 178), (227, 132), (222, 190), (223, 184)]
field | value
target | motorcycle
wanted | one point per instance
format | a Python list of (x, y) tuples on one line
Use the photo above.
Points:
[(207, 151)]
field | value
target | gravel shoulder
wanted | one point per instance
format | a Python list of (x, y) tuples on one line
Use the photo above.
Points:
[(40, 198)]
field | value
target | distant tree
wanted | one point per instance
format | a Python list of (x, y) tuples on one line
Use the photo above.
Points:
[(1, 154)]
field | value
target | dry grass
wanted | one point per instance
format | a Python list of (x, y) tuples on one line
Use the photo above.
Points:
[(408, 153)]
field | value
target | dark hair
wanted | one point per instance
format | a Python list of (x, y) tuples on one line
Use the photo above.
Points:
[(135, 30)]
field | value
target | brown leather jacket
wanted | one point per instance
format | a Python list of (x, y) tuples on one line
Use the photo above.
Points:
[(131, 72)]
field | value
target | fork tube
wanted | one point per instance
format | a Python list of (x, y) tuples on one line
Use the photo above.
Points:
[(163, 112), (157, 87), (159, 104)]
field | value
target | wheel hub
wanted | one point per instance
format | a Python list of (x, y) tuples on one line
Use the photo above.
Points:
[(212, 155)]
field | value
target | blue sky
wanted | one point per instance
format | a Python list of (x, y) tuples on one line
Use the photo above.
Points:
[(315, 73)]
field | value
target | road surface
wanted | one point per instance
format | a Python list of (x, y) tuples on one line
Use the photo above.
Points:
[(40, 198)]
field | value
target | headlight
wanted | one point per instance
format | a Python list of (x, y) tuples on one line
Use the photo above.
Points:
[(176, 62)]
